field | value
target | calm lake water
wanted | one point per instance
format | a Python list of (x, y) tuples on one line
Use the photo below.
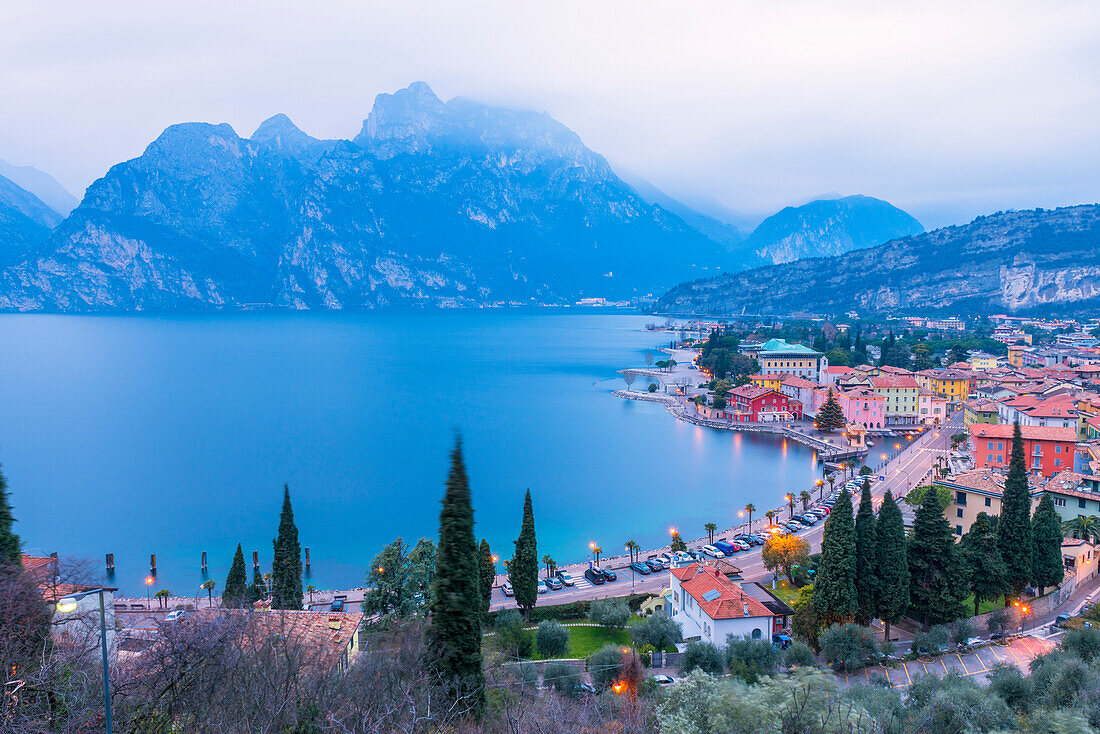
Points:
[(139, 435)]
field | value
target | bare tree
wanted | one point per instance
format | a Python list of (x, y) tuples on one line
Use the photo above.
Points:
[(648, 358), (629, 378)]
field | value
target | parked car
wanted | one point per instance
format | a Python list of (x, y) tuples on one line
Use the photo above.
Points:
[(655, 565), (727, 548), (608, 574), (583, 688), (666, 559), (594, 577), (337, 604), (713, 552), (1061, 619), (566, 577), (641, 568), (683, 557), (542, 587), (175, 614), (554, 583), (781, 641), (972, 641), (656, 559), (505, 588)]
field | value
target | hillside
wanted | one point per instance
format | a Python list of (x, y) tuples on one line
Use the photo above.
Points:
[(433, 204), (25, 222), (1034, 260)]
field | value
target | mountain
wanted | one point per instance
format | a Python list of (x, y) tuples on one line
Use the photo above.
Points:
[(41, 184), (25, 222), (433, 204), (1022, 261), (829, 226)]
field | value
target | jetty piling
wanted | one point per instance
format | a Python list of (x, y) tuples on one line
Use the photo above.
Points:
[(110, 563), (307, 557), (153, 565), (204, 561)]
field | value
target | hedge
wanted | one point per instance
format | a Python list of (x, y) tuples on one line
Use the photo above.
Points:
[(572, 610)]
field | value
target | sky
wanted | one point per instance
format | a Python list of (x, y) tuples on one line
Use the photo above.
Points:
[(946, 111)]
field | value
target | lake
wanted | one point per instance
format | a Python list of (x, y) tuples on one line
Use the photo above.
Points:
[(175, 435)]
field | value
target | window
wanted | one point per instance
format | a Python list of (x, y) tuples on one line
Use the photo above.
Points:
[(988, 501), (1057, 462), (1081, 503), (1057, 448), (756, 633), (958, 530), (1059, 501), (960, 499), (959, 513)]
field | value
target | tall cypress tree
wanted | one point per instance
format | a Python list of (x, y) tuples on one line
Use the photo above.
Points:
[(986, 573), (866, 558), (286, 568), (891, 564), (455, 631), (488, 574), (9, 542), (937, 576), (257, 590), (1046, 538), (235, 591), (834, 597), (1014, 526), (523, 571)]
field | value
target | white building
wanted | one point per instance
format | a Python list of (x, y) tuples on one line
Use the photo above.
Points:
[(710, 606)]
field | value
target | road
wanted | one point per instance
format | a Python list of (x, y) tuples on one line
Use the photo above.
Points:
[(903, 469)]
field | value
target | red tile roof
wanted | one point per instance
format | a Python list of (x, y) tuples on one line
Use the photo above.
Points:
[(697, 579), (899, 381), (1032, 433)]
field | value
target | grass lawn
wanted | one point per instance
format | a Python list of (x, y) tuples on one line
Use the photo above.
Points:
[(786, 591), (985, 606), (583, 641)]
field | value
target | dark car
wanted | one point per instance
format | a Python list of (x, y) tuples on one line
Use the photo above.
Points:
[(554, 583), (781, 642), (608, 575), (728, 548), (594, 576), (641, 568), (655, 565), (337, 604)]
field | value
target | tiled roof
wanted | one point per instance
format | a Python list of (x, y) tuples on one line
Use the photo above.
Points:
[(730, 602), (323, 636), (898, 381), (892, 370), (800, 382), (750, 392), (836, 370), (1033, 433), (982, 406)]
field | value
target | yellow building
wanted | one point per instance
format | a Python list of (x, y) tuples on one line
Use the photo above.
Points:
[(772, 382), (778, 357), (951, 384), (978, 490), (982, 362), (1016, 354), (979, 411)]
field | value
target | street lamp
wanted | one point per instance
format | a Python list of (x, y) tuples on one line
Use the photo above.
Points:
[(790, 503), (68, 604), (820, 488)]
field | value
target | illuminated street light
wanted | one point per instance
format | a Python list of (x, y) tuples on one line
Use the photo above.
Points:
[(67, 604)]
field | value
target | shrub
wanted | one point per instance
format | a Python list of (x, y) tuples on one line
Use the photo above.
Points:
[(962, 631), (551, 639), (749, 659), (1000, 620), (605, 665), (932, 642), (1010, 684), (510, 638), (1083, 642), (658, 631), (612, 612), (702, 656), (848, 646), (528, 673), (645, 655), (564, 678), (798, 653)]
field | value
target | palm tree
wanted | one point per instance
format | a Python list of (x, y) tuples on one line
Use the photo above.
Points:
[(1082, 527), (790, 503), (162, 596), (597, 551), (852, 464), (550, 565), (209, 586), (831, 479), (309, 590), (632, 548), (750, 508), (710, 528), (770, 514), (805, 497)]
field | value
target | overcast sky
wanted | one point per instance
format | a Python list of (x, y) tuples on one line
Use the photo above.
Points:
[(945, 111)]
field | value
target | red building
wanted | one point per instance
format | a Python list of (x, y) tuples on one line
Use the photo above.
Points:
[(1046, 450), (761, 404)]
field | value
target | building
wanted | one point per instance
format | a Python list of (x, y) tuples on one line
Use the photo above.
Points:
[(979, 410), (860, 404), (1047, 451), (949, 324), (979, 490), (777, 356), (1011, 335), (79, 626), (1058, 411), (709, 605), (762, 404), (982, 362), (951, 384), (1080, 559), (902, 398), (772, 382)]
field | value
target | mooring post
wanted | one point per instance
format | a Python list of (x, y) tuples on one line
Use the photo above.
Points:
[(204, 561), (307, 557), (255, 559), (110, 563), (152, 564)]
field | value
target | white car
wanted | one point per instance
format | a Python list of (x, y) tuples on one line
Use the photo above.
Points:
[(683, 557), (713, 552), (543, 588), (566, 578), (664, 680), (506, 589), (174, 615)]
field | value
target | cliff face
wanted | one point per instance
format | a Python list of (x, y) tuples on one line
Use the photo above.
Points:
[(434, 203), (1016, 261), (25, 222)]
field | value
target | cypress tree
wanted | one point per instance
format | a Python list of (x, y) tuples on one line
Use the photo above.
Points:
[(257, 590), (1014, 527), (1046, 537), (834, 597), (830, 416), (986, 572), (488, 576), (455, 633), (9, 542), (523, 571), (866, 558), (286, 568), (937, 576), (235, 591), (891, 564)]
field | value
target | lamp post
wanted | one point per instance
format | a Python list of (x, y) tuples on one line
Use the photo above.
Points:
[(790, 504), (820, 489), (148, 583), (69, 604)]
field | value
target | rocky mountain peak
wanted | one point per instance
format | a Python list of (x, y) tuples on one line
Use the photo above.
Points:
[(408, 114), (277, 128)]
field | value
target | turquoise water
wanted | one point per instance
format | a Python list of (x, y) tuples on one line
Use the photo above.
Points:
[(139, 435)]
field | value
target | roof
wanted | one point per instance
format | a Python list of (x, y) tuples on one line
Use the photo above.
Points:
[(325, 636), (1030, 433), (837, 370), (800, 382), (38, 565), (892, 370), (702, 580), (751, 392), (895, 381), (779, 346), (982, 405)]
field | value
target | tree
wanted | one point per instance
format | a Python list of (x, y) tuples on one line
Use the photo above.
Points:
[(891, 564), (549, 564), (750, 508), (487, 575), (612, 612), (309, 591), (702, 656), (790, 504), (652, 387), (1014, 526), (523, 572), (866, 558), (830, 417), (10, 544), (865, 471), (657, 630), (770, 514), (419, 575), (937, 577), (806, 497), (235, 592), (751, 659), (1046, 537), (551, 639), (455, 633), (632, 547), (605, 666), (629, 378), (805, 623), (678, 543), (1083, 527), (510, 636), (834, 597), (711, 528), (784, 552), (986, 571), (286, 565), (257, 590), (915, 497), (849, 646), (209, 585), (386, 580), (162, 597)]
